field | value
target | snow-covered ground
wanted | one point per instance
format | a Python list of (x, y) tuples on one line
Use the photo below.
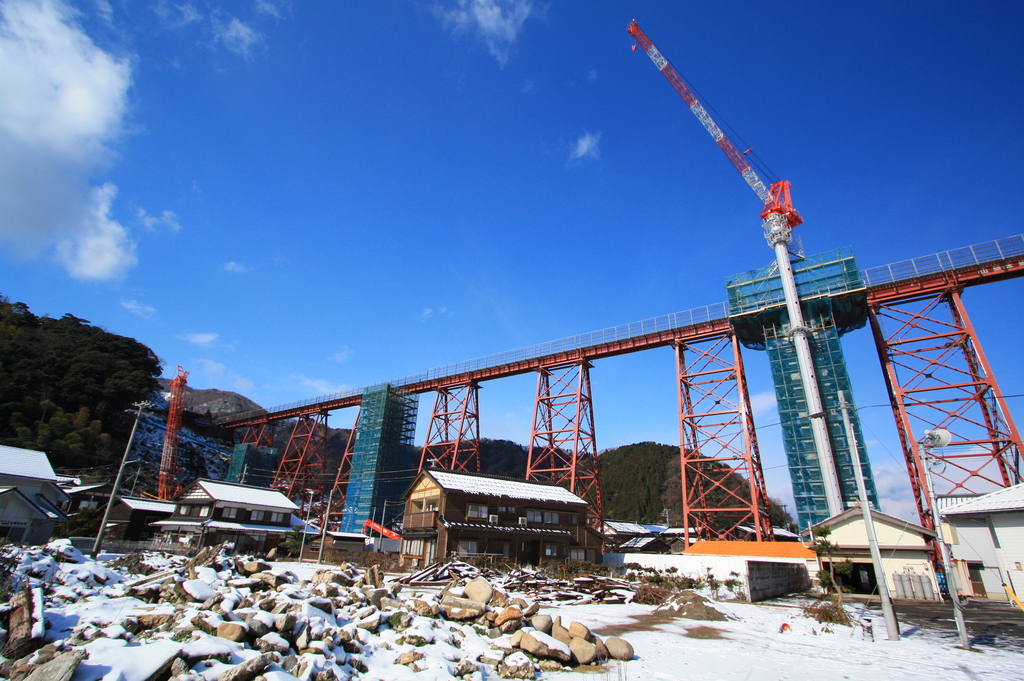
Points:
[(89, 606)]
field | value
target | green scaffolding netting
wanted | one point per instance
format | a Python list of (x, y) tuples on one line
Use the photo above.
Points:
[(833, 301), (252, 465), (384, 460)]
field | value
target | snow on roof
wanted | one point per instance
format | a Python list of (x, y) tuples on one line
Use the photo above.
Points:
[(79, 489), (623, 527), (148, 504), (1001, 501), (246, 494), (637, 542), (26, 463), (501, 487)]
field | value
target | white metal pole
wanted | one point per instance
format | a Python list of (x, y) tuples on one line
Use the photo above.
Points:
[(779, 235), (892, 627), (323, 530), (952, 583)]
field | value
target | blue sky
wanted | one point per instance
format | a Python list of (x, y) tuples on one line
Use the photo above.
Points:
[(292, 198)]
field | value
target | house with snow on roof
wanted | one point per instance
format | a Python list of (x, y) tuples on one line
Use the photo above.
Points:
[(451, 514), (209, 512), (134, 518), (986, 538), (30, 498)]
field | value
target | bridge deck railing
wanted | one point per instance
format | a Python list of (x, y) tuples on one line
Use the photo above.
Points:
[(980, 254)]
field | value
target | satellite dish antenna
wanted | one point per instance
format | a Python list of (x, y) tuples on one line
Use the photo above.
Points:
[(939, 437)]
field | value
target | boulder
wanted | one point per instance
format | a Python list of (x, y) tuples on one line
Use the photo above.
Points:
[(542, 623), (409, 657), (577, 630), (456, 608), (542, 645), (153, 621), (516, 638), (559, 632), (376, 595), (509, 613), (465, 667), (499, 599), (285, 622), (618, 648), (24, 630), (272, 643), (515, 666), (254, 566), (232, 631), (248, 670), (602, 649), (479, 590), (424, 609), (583, 651), (509, 626), (60, 668)]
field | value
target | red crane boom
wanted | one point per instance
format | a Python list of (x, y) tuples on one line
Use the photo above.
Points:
[(776, 199), (169, 460)]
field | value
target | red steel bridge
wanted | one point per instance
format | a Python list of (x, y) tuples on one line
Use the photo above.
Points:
[(935, 370)]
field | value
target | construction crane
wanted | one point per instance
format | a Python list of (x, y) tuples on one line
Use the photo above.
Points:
[(779, 220), (169, 460)]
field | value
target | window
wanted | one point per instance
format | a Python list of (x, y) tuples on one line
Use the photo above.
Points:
[(550, 517), (257, 515), (468, 547), (506, 509), (229, 512), (577, 554), (413, 547), (505, 549), (85, 505), (184, 510), (535, 516), (569, 519), (476, 511), (276, 517), (550, 550), (204, 511)]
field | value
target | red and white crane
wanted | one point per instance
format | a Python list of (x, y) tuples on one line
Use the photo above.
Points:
[(169, 460), (779, 220)]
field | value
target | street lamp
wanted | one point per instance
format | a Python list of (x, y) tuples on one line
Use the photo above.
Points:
[(139, 408), (940, 437)]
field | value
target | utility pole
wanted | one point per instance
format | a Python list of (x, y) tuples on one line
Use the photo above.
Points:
[(892, 627), (940, 437), (323, 530), (305, 525), (139, 408)]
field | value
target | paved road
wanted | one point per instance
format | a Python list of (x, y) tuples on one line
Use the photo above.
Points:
[(988, 623)]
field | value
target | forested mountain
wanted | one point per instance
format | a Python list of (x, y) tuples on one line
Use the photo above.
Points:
[(64, 385)]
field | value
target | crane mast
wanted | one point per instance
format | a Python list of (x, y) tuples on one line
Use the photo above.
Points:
[(169, 460), (779, 220)]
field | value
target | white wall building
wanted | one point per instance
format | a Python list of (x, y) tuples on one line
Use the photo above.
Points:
[(29, 496), (986, 538)]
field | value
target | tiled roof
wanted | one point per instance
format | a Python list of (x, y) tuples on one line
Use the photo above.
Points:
[(246, 494), (1004, 500), (148, 504), (768, 549), (502, 487), (26, 463)]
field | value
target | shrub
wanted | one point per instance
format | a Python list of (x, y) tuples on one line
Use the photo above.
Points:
[(828, 612), (650, 595)]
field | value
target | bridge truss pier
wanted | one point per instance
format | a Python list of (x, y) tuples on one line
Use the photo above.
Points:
[(303, 461), (563, 448), (453, 437), (258, 434), (722, 482), (938, 377), (335, 505)]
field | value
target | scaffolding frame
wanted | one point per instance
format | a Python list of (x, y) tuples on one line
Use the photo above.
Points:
[(563, 445), (717, 443), (939, 377), (453, 437)]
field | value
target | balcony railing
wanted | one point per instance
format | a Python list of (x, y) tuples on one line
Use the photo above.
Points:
[(413, 521)]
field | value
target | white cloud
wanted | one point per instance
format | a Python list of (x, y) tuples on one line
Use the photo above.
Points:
[(209, 372), (99, 247), (274, 8), (201, 339), (591, 75), (892, 482), (429, 312), (588, 145), (62, 110), (497, 23), (236, 267), (763, 403), (319, 385), (105, 11), (237, 37), (167, 219), (343, 354), (139, 309)]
